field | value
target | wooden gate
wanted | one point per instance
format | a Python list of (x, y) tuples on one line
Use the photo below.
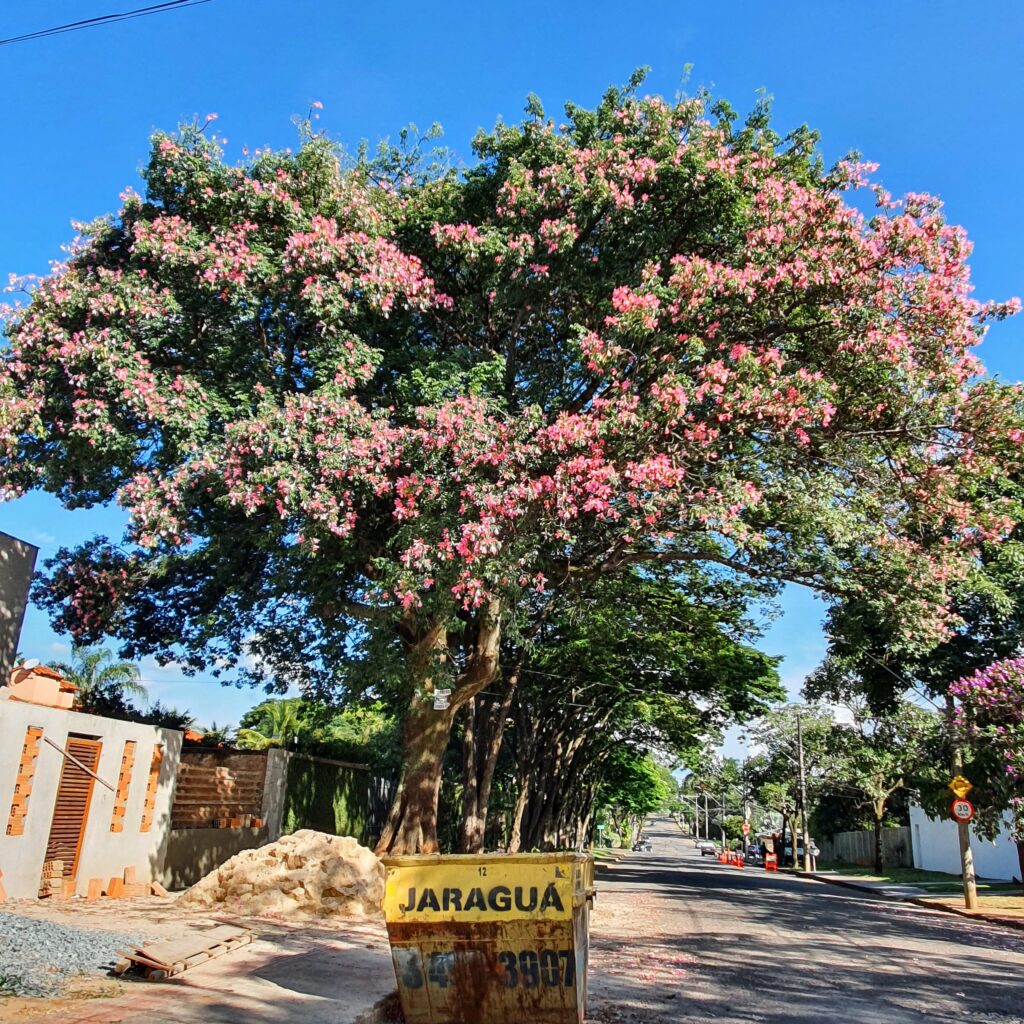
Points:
[(71, 811)]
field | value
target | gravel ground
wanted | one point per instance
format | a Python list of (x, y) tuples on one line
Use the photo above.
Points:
[(38, 957)]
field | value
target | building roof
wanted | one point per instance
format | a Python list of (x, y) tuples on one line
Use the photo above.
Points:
[(20, 674)]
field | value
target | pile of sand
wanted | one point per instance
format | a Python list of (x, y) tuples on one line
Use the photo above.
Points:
[(305, 873)]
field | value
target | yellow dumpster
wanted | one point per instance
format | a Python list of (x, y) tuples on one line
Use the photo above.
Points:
[(490, 938)]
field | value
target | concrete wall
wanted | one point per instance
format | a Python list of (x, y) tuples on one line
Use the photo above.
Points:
[(104, 853), (937, 848), (194, 852), (275, 790)]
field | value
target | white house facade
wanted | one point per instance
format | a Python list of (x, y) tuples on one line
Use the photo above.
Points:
[(937, 848)]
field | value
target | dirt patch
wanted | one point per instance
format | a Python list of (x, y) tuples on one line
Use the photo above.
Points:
[(305, 874), (14, 1009)]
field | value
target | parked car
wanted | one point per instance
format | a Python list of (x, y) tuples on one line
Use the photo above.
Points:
[(642, 846), (707, 848), (815, 852)]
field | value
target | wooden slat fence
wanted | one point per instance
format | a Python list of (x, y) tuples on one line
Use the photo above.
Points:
[(859, 848)]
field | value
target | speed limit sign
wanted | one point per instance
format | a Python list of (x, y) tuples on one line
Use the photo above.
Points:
[(963, 810)]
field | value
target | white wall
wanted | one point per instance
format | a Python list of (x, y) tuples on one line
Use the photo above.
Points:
[(937, 848), (104, 853)]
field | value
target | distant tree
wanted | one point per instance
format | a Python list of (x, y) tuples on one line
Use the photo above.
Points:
[(694, 671), (986, 626), (366, 733), (274, 723), (880, 751), (216, 736), (114, 704), (103, 682), (732, 825), (164, 717), (774, 772), (363, 733), (631, 787)]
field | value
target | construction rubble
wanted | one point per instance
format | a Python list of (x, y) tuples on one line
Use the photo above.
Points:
[(306, 873)]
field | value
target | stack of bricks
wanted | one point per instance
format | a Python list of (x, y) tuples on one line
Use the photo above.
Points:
[(126, 885), (133, 887), (123, 780), (23, 782), (52, 882), (149, 804)]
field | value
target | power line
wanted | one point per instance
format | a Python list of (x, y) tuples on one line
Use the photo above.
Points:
[(105, 19)]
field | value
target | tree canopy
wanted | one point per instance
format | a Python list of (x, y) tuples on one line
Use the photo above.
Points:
[(380, 407)]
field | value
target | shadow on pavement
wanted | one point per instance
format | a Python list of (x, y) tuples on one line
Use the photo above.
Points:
[(740, 945)]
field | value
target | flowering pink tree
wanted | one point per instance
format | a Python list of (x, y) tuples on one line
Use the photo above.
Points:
[(362, 417)]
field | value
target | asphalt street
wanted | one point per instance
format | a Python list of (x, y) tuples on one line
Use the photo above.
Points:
[(681, 938)]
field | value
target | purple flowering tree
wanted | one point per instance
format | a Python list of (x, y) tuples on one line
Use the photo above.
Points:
[(990, 715)]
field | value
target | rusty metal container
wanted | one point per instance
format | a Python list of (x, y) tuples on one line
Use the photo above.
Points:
[(490, 938)]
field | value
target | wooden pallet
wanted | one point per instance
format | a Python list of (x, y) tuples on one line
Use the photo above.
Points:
[(157, 961)]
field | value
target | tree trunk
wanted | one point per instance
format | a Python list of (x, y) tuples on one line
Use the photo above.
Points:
[(491, 751), (515, 837), (412, 822), (1020, 860), (485, 730), (472, 834), (526, 743)]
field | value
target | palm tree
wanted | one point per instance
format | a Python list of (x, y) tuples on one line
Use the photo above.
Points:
[(95, 671), (216, 736), (277, 726)]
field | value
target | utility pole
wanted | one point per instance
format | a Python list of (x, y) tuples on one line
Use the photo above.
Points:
[(963, 828), (696, 814), (707, 818), (746, 807), (721, 818), (746, 792), (803, 794), (746, 821)]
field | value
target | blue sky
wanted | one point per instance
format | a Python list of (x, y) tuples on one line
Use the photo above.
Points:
[(932, 91)]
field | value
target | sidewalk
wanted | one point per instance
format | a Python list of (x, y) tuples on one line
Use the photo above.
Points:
[(311, 972), (889, 890), (1000, 909)]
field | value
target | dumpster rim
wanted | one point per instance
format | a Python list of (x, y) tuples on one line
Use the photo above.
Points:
[(415, 859)]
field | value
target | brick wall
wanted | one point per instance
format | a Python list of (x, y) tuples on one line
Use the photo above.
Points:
[(219, 789)]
